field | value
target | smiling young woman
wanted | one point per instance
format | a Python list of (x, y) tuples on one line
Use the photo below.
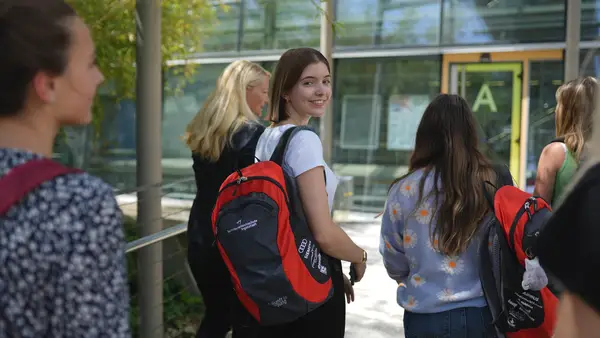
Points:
[(301, 89)]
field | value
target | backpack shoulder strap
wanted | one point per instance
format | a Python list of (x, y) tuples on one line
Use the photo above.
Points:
[(21, 180), (503, 178), (284, 141), (489, 284)]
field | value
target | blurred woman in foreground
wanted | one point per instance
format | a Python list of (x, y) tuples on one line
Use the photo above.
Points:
[(568, 246)]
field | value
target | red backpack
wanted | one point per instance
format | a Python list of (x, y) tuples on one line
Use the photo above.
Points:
[(24, 178), (278, 271), (510, 238)]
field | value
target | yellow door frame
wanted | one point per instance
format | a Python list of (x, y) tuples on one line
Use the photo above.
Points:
[(524, 57), (516, 69)]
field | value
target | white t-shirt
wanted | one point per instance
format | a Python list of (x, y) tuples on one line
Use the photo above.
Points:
[(304, 152)]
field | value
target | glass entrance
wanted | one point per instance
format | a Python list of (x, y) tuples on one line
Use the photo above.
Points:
[(493, 90)]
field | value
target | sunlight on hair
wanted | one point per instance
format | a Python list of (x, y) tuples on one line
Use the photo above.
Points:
[(592, 147), (225, 110), (574, 112)]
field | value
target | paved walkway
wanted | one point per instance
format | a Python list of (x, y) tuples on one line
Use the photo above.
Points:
[(375, 313)]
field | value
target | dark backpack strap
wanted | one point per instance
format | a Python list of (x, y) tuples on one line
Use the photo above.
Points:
[(504, 175), (284, 141), (487, 277), (21, 180), (503, 178)]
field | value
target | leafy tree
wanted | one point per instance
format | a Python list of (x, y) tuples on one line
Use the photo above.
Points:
[(113, 27), (185, 25)]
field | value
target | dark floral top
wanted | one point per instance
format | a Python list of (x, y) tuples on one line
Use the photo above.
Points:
[(62, 260)]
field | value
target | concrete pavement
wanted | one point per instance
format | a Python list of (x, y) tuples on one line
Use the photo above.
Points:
[(375, 313)]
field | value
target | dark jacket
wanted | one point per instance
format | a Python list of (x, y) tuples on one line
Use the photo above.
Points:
[(210, 176)]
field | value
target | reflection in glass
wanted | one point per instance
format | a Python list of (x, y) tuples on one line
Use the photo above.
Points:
[(545, 78), (392, 82), (391, 22), (489, 92), (180, 108), (590, 20), (590, 62), (259, 28), (273, 24), (223, 36), (297, 24), (501, 21)]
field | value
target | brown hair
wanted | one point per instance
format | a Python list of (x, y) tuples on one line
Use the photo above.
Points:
[(34, 37), (287, 73), (575, 104), (447, 144)]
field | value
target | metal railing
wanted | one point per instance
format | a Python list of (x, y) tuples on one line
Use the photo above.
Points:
[(180, 305)]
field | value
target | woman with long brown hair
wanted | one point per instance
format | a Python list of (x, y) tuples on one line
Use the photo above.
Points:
[(560, 159), (429, 235)]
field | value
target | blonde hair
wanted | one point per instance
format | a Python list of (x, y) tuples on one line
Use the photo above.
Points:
[(225, 110), (592, 147), (575, 102)]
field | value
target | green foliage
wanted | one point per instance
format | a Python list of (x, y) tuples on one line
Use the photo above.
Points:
[(185, 25), (113, 27)]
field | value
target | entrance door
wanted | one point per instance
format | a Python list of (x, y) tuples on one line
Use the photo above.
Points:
[(493, 90)]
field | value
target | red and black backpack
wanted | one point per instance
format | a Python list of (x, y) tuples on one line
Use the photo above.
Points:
[(278, 271), (510, 237)]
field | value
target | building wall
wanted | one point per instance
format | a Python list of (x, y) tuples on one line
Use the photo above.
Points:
[(384, 51)]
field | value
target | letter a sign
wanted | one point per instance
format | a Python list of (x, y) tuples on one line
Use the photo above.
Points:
[(485, 97)]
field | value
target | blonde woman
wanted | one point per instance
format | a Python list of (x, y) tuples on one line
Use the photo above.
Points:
[(222, 137), (568, 246), (560, 159)]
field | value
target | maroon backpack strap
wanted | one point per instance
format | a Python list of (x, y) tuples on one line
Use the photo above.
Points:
[(22, 179)]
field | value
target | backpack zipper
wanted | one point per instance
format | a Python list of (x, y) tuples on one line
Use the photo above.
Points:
[(246, 179), (242, 179)]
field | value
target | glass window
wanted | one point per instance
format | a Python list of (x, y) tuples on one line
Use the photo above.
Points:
[(395, 22), (545, 78), (590, 62), (378, 104), (298, 24), (224, 35), (180, 108), (590, 19), (275, 24), (259, 25), (511, 21)]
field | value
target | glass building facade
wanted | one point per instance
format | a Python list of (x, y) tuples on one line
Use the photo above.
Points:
[(391, 57)]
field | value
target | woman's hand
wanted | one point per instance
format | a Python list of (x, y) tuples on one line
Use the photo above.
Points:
[(359, 270), (348, 290)]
